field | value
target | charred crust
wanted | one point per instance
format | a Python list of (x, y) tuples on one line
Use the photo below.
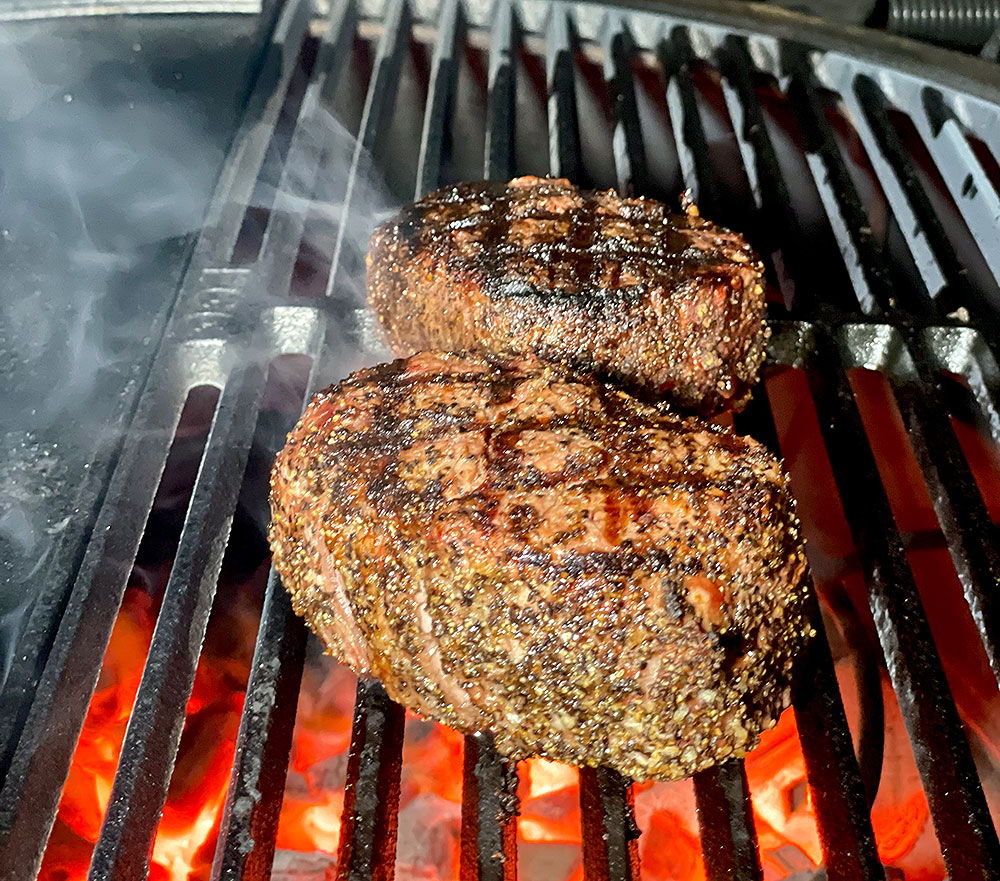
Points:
[(639, 608), (667, 304)]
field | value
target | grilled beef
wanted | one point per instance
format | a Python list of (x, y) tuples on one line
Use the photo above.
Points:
[(668, 304), (513, 548)]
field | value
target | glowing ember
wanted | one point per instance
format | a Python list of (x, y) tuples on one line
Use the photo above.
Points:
[(431, 785), (549, 830), (88, 787), (185, 840)]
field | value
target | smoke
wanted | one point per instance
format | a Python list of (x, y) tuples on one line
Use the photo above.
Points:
[(105, 173), (110, 148)]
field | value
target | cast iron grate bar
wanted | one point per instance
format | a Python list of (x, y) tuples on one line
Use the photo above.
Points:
[(501, 98), (961, 817), (963, 174), (973, 538), (43, 753), (626, 137), (699, 175), (564, 133), (489, 813), (563, 119), (367, 849), (238, 179), (840, 796), (434, 139), (374, 120), (245, 849), (870, 274), (840, 202), (919, 226), (157, 718), (725, 823), (779, 230), (609, 831), (962, 513), (287, 220), (370, 818)]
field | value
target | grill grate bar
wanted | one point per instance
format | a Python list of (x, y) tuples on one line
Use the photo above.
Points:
[(893, 167), (41, 758), (501, 102), (752, 136), (564, 132), (767, 183), (236, 183), (626, 138), (609, 832), (287, 220), (371, 797), (963, 174), (970, 533), (839, 795), (610, 835), (157, 718), (725, 822), (958, 807), (374, 120), (263, 745), (489, 811), (689, 132), (440, 97), (370, 817), (840, 202)]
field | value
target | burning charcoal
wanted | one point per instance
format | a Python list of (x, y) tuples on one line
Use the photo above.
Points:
[(429, 834)]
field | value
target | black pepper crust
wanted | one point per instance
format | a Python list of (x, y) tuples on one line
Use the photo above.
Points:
[(669, 305), (514, 548)]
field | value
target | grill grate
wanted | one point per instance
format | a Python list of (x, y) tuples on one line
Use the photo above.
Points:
[(909, 310)]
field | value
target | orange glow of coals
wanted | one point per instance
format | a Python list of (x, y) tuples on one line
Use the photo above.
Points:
[(311, 825), (185, 839), (430, 789)]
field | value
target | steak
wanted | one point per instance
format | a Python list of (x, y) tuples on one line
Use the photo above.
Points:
[(664, 304), (511, 547)]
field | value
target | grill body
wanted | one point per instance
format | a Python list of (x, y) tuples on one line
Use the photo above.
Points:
[(914, 303)]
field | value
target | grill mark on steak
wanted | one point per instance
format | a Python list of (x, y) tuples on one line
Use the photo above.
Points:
[(639, 608), (672, 305)]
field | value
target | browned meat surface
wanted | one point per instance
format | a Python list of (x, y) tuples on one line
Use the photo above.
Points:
[(510, 547), (669, 304)]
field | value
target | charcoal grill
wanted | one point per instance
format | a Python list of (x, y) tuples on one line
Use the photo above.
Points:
[(917, 302)]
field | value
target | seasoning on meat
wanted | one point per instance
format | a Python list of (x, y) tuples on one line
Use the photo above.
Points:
[(511, 547), (671, 305)]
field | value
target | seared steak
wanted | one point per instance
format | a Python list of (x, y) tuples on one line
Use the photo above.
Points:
[(669, 304), (510, 547)]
